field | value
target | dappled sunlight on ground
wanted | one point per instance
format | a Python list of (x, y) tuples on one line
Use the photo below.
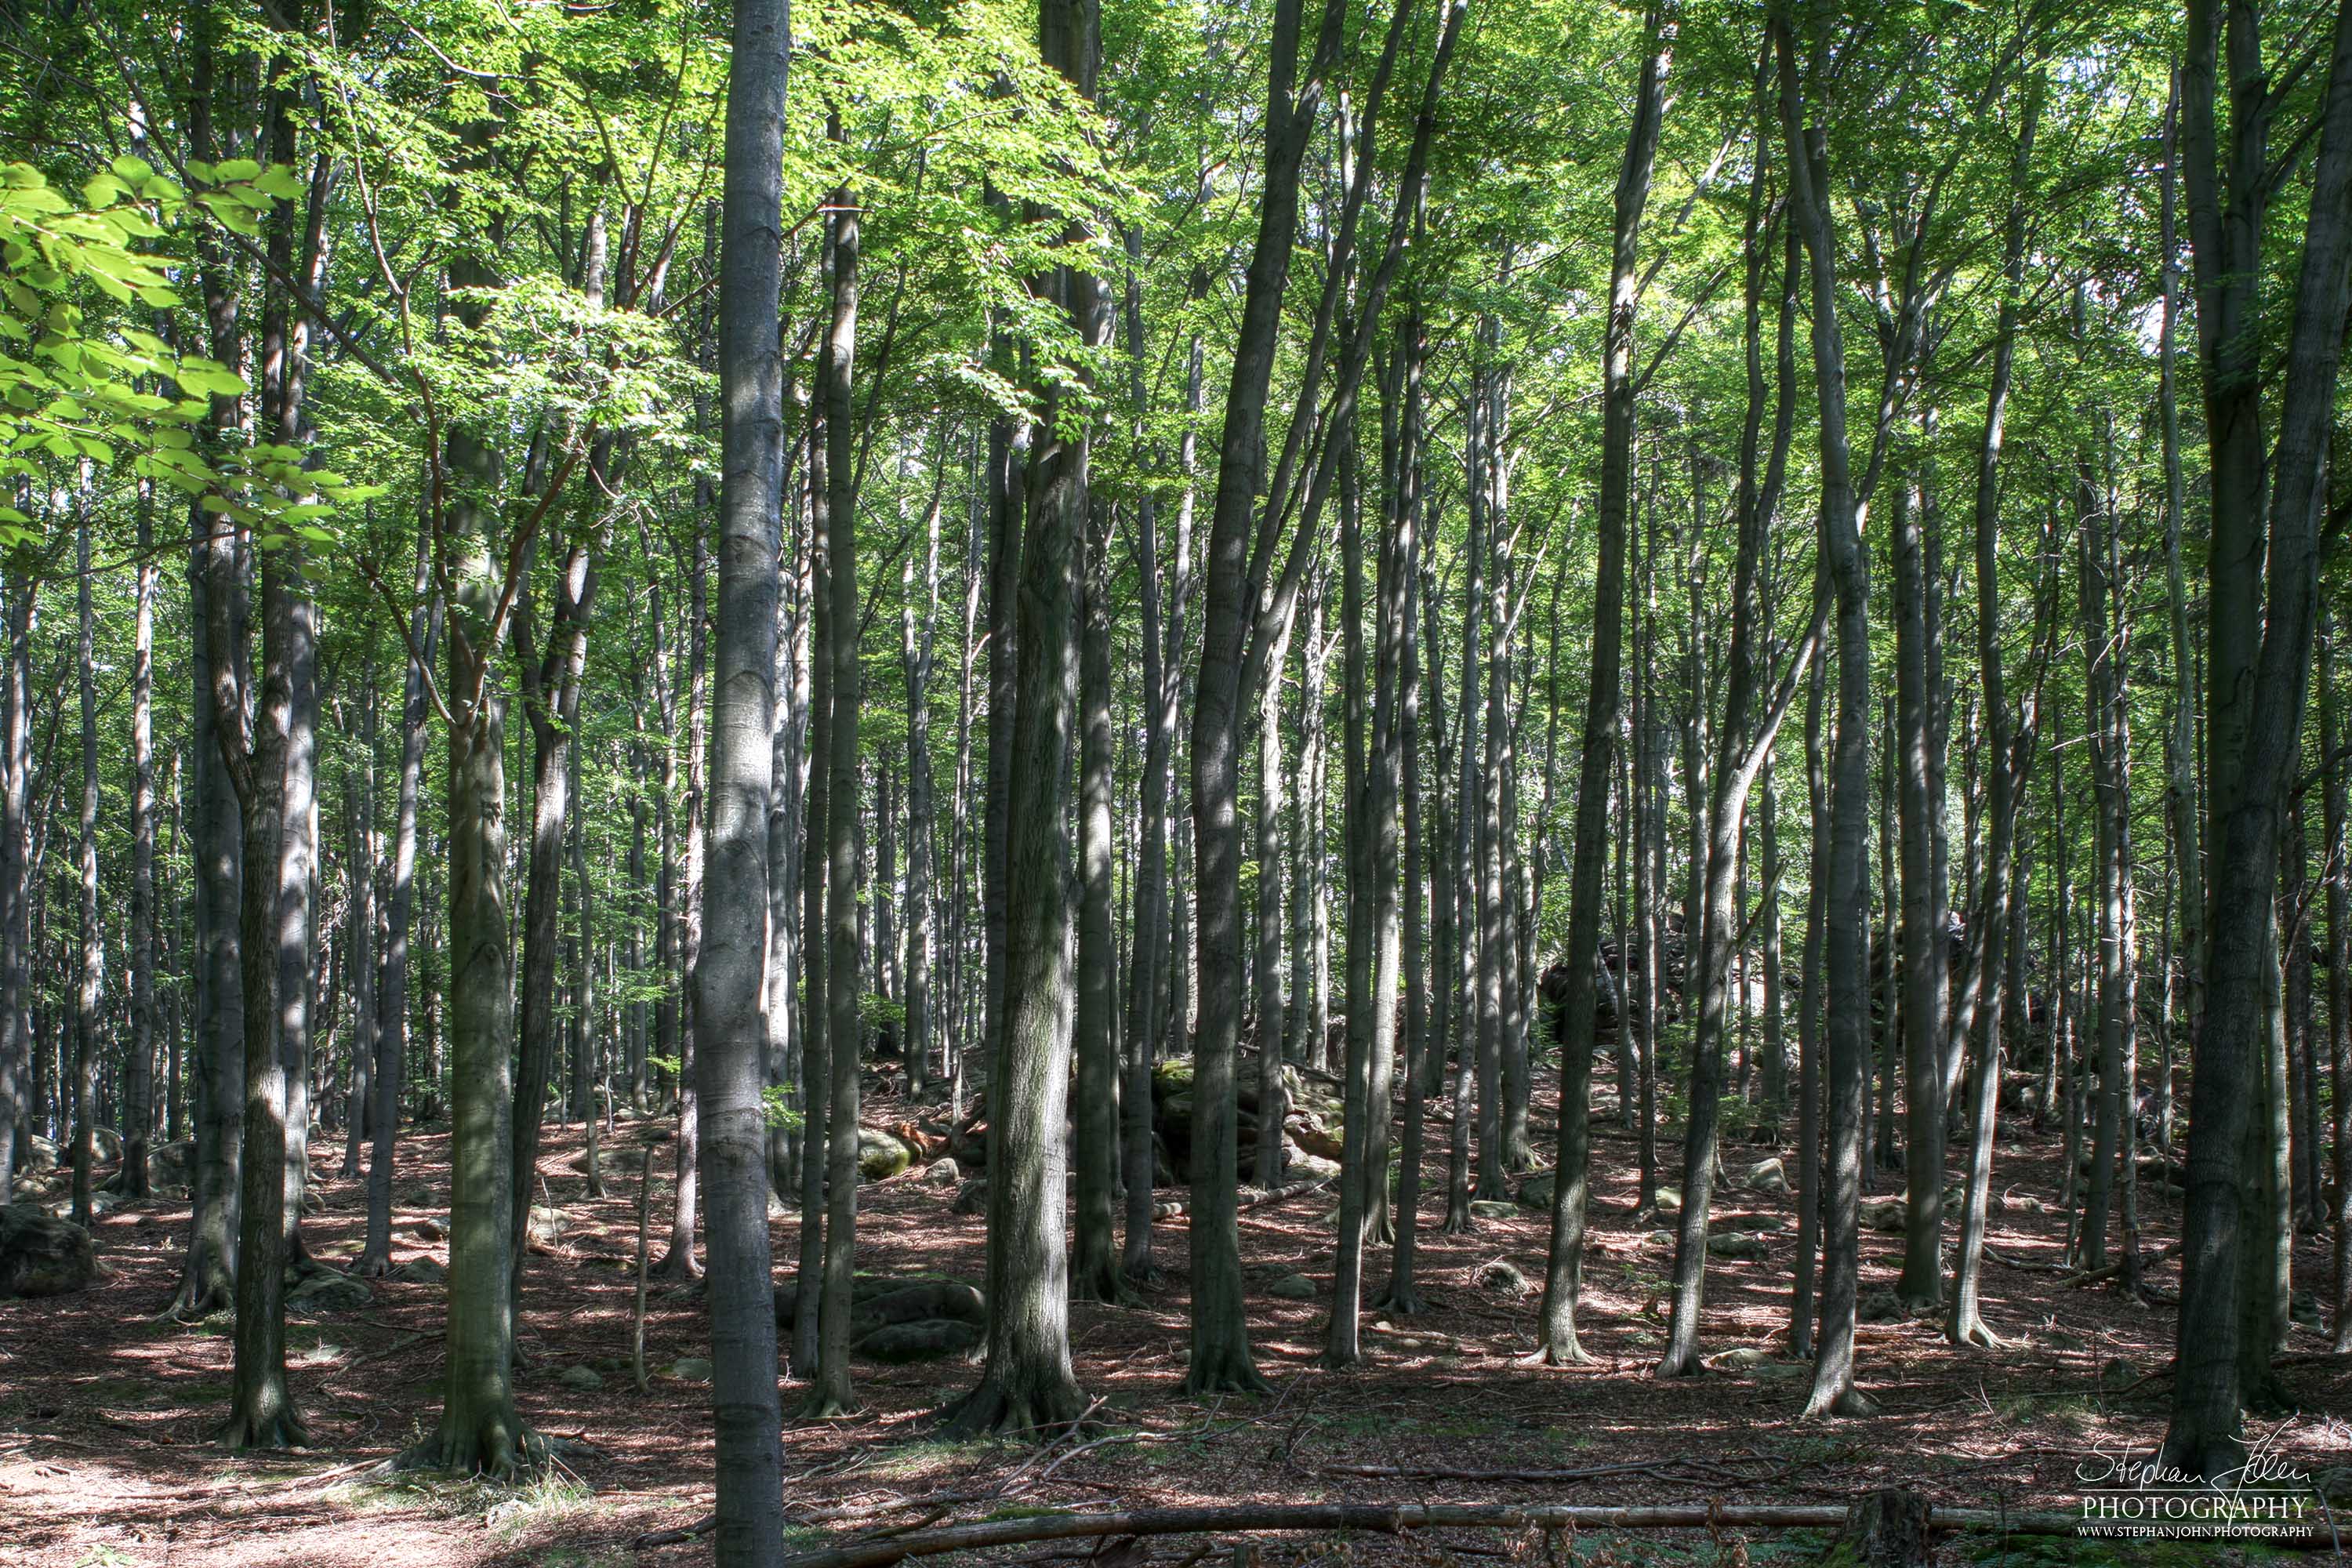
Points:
[(107, 1407)]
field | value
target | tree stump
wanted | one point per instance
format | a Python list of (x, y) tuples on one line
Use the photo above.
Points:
[(1888, 1529)]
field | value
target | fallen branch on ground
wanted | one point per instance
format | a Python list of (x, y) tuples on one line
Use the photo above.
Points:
[(1391, 1519), (2147, 1259)]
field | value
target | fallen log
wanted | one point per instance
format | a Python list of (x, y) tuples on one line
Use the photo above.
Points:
[(1396, 1518), (2108, 1271)]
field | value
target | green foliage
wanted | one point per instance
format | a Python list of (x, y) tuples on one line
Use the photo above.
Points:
[(78, 387)]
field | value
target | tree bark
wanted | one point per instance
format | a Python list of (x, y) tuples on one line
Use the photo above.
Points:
[(1220, 1358), (2262, 574), (730, 1012), (831, 1394), (1847, 910), (1575, 1024)]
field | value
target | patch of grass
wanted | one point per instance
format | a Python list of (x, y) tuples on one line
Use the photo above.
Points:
[(909, 1460), (544, 1499), (581, 1557), (2075, 1410)]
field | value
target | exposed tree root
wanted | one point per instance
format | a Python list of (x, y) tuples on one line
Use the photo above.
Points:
[(1223, 1372), (1974, 1332), (246, 1433), (1559, 1351), (997, 1409), (1822, 1404), (494, 1450)]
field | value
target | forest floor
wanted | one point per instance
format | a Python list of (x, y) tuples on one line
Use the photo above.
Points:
[(107, 1406)]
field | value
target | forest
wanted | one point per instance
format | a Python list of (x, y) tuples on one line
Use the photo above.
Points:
[(1095, 781)]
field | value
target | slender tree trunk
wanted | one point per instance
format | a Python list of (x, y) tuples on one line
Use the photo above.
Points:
[(1402, 1296), (138, 1078), (1220, 1357), (391, 999), (212, 1241), (2008, 762), (816, 1060), (1846, 913), (729, 999), (831, 1394), (921, 615), (1576, 1008), (1096, 1274), (91, 937), (2339, 998)]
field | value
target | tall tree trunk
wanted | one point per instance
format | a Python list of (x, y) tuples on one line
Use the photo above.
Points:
[(1028, 1385), (391, 999), (1266, 971), (91, 937), (1846, 913), (831, 1394), (816, 1058), (2008, 762), (211, 1240), (1812, 989), (138, 1078), (552, 675), (2339, 998), (921, 615), (2262, 587), (681, 1262), (359, 881), (1220, 1358), (1739, 757), (1163, 655), (1402, 1296), (1575, 1024), (1096, 1274), (729, 993)]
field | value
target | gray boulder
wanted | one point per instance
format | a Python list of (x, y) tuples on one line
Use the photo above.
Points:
[(319, 1294), (927, 1339), (43, 1256)]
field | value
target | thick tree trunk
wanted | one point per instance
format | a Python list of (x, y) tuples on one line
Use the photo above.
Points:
[(1028, 1386), (2263, 573)]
